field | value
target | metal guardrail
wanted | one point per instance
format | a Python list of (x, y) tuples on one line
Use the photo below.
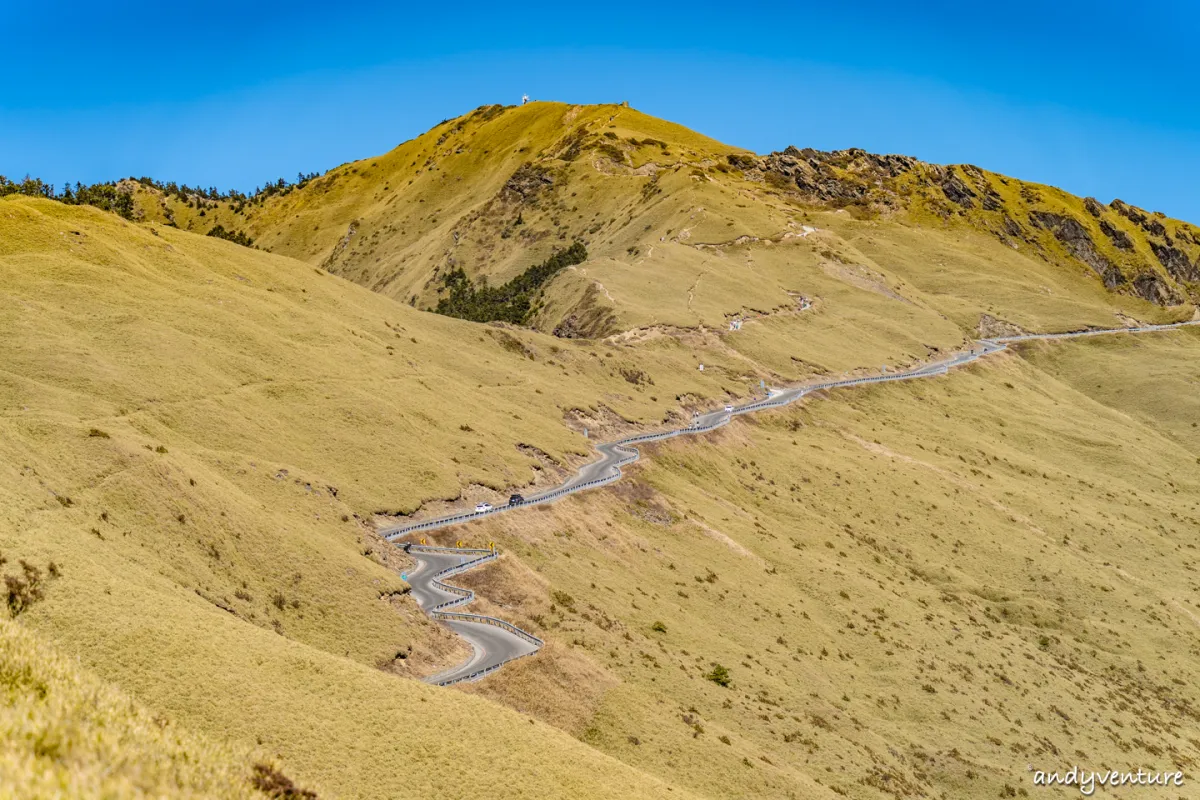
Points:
[(474, 676), (495, 622), (466, 596)]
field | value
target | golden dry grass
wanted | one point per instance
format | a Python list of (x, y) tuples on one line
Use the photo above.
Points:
[(189, 429), (200, 433), (63, 733), (1152, 379), (917, 588)]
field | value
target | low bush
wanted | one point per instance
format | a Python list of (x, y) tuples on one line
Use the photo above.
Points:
[(27, 588), (274, 784), (719, 675), (237, 237)]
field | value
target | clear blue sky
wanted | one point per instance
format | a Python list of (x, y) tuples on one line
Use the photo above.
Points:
[(1096, 97)]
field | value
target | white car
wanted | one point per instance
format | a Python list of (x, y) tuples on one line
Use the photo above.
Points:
[(481, 507), (728, 409)]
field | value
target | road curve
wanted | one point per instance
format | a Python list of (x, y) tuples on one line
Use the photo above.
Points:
[(496, 642), (614, 455)]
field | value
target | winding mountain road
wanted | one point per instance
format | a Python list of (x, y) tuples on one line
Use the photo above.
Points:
[(496, 642)]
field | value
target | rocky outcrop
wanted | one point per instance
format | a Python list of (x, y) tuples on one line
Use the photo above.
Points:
[(856, 178), (958, 192), (844, 177), (1119, 237), (1143, 221), (990, 327), (743, 162), (1075, 238), (526, 183), (569, 328), (989, 198), (1130, 213), (340, 247), (1150, 286), (591, 318), (1176, 262), (840, 177), (1013, 228)]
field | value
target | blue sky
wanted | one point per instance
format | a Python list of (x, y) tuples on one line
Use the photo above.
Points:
[(1096, 97)]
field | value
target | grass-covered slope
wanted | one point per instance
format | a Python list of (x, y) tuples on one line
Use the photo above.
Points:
[(198, 432), (188, 429), (916, 589), (63, 733), (683, 231), (1152, 379)]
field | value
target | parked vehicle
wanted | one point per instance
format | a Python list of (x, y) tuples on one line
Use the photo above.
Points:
[(481, 507), (728, 409), (516, 500)]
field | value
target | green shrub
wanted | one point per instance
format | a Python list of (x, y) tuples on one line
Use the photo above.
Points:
[(512, 302), (719, 675), (237, 237)]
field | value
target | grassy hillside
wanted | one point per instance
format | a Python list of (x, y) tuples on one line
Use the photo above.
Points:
[(913, 589), (193, 431), (63, 733), (1153, 380), (917, 590), (685, 232)]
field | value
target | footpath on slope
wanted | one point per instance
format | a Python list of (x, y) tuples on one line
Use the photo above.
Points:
[(496, 642)]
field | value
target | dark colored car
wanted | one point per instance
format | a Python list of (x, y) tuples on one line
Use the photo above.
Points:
[(516, 500)]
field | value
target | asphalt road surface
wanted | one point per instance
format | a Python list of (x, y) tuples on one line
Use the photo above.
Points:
[(492, 645)]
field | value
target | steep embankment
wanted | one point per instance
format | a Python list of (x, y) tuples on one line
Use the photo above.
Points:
[(188, 429), (685, 232)]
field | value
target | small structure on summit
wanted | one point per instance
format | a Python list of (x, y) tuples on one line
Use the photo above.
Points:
[(524, 99)]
